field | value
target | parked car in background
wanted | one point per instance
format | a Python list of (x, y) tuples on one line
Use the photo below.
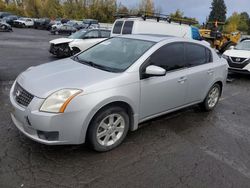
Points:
[(42, 23), (238, 57), (10, 19), (65, 29), (100, 94), (4, 26), (78, 41), (89, 39), (64, 20), (23, 22), (90, 23), (4, 14), (55, 25)]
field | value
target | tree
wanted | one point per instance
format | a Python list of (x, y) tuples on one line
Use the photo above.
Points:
[(244, 23), (33, 8), (52, 9), (177, 14), (122, 9), (218, 11), (147, 6), (237, 22), (2, 5)]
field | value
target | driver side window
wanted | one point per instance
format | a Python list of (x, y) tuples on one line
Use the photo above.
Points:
[(170, 57)]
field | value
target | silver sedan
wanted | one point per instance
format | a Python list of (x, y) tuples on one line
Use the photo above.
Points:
[(102, 93)]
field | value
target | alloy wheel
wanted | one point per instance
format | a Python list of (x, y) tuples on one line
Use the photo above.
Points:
[(110, 130)]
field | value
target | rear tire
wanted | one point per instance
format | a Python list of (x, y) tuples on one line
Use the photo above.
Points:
[(108, 129), (212, 98)]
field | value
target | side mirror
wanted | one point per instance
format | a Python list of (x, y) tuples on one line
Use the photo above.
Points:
[(231, 47), (153, 70)]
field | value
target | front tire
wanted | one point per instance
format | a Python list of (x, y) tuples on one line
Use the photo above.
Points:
[(108, 129), (212, 98)]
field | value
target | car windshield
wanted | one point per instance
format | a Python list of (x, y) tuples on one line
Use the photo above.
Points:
[(244, 45), (115, 54), (77, 35)]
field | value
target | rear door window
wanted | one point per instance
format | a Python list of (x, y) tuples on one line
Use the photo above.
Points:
[(195, 55), (118, 27), (127, 28), (170, 57)]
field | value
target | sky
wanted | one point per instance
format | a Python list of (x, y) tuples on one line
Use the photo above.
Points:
[(198, 9)]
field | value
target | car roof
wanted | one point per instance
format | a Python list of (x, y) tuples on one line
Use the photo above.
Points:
[(148, 37)]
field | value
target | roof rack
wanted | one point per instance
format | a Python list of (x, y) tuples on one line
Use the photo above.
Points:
[(157, 16)]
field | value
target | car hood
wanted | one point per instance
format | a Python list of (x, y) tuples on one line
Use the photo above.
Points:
[(62, 40), (238, 53), (20, 21), (45, 79)]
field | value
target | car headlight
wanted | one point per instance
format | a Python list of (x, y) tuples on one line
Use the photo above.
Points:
[(225, 56), (58, 101)]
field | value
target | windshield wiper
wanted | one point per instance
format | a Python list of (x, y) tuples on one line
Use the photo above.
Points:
[(92, 64)]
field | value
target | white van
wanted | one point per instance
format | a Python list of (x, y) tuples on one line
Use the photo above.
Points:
[(138, 25)]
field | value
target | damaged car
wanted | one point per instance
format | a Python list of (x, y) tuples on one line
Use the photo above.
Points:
[(79, 41), (24, 23), (65, 29), (5, 27)]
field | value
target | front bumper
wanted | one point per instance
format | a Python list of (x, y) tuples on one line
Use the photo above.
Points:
[(60, 50), (240, 71), (66, 127)]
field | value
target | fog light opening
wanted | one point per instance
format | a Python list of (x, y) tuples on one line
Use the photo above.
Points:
[(49, 136)]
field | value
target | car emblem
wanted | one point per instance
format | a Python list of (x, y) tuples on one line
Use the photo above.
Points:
[(18, 93), (237, 59)]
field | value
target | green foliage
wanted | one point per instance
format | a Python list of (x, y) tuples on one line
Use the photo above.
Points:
[(52, 9), (2, 6), (177, 14), (33, 8), (146, 6), (238, 22), (218, 11)]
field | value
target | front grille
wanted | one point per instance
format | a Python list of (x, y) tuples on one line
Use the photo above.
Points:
[(239, 65), (53, 49), (22, 96), (238, 60)]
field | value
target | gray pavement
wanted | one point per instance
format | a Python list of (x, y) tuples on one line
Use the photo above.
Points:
[(184, 149)]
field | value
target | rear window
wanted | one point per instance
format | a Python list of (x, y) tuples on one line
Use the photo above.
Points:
[(127, 28), (118, 27)]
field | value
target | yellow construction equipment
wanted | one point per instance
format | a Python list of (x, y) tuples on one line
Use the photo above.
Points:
[(220, 41)]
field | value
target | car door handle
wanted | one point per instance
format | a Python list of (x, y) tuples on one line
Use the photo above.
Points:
[(210, 71), (182, 80)]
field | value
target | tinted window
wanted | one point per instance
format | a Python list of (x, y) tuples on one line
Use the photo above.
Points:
[(169, 57), (208, 56), (118, 27), (127, 28), (195, 55), (105, 34)]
